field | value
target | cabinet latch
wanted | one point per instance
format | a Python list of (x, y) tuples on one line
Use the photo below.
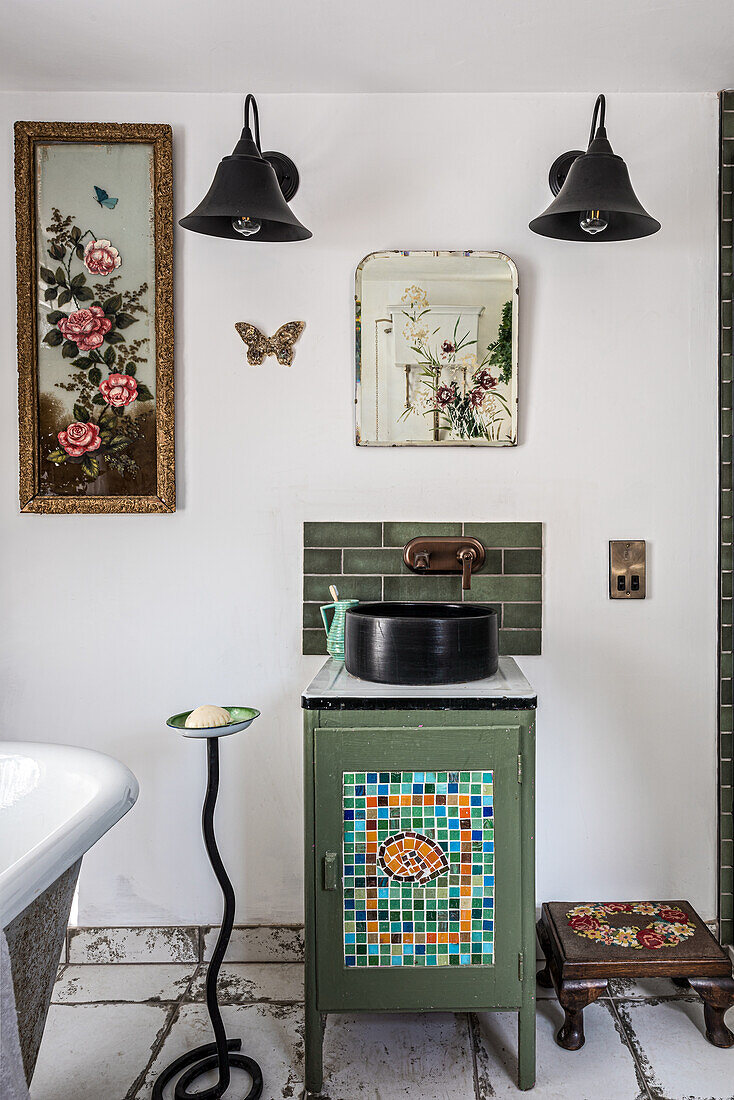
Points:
[(520, 966), (330, 869), (519, 769)]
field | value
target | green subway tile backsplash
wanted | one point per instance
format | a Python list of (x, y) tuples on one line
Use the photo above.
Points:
[(726, 683), (342, 534), (397, 534), (365, 562)]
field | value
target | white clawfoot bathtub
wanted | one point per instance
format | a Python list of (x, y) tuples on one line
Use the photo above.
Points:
[(56, 801)]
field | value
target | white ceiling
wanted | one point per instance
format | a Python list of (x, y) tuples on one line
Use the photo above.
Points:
[(368, 45)]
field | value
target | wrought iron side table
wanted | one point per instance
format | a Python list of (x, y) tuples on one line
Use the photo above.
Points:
[(223, 1053)]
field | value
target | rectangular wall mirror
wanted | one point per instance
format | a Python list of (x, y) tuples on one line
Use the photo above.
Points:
[(436, 349)]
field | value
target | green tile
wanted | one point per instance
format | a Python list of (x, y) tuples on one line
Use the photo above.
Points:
[(727, 853), (312, 616), (520, 643), (342, 534), (506, 534), (726, 931), (522, 615), (727, 99), (514, 589), (725, 421), (726, 469), (492, 562), (423, 588), (726, 616), (349, 587), (322, 561), (726, 720), (726, 585), (725, 234), (726, 503), (314, 642), (727, 661), (476, 603), (726, 311), (725, 368), (726, 179), (397, 534), (725, 693), (725, 395), (725, 745), (374, 561), (523, 561), (726, 906), (727, 556), (727, 530), (726, 827), (725, 336)]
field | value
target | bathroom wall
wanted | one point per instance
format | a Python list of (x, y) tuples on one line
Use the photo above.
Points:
[(111, 623)]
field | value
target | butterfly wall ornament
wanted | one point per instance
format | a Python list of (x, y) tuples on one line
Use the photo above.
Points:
[(280, 345), (103, 198)]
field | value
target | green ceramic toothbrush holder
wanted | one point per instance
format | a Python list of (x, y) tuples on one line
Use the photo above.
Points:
[(335, 631)]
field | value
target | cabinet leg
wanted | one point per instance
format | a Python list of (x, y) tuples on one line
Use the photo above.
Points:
[(574, 998), (717, 995), (314, 1045), (526, 1047)]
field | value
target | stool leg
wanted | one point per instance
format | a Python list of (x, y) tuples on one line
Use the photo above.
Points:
[(574, 998), (717, 995)]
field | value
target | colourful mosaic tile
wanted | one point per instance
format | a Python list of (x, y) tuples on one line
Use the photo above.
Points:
[(418, 868)]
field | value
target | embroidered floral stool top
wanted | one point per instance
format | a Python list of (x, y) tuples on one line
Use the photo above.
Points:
[(585, 945)]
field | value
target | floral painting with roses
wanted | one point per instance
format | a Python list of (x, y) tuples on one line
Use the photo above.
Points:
[(97, 348)]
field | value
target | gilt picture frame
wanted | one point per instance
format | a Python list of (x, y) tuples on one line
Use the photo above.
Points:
[(436, 349), (94, 255)]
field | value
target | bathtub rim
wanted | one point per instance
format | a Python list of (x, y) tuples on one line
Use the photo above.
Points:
[(34, 871)]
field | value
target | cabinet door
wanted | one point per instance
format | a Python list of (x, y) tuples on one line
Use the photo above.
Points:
[(418, 860)]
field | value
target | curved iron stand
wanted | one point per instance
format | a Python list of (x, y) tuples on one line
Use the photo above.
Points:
[(221, 1052)]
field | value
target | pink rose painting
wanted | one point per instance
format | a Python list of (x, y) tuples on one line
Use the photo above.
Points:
[(80, 438), (86, 327), (119, 390), (110, 429), (101, 258)]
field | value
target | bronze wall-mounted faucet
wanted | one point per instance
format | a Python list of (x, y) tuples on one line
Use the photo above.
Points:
[(465, 555)]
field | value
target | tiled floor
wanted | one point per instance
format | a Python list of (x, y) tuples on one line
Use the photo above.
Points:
[(112, 1028)]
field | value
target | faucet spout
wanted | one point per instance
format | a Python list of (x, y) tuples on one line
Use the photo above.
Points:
[(467, 557)]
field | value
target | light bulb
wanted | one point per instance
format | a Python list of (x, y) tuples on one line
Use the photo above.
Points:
[(246, 226), (593, 222)]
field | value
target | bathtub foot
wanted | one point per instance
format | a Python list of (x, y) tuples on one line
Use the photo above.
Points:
[(221, 1053)]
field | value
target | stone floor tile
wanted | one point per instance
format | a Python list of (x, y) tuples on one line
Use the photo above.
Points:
[(258, 943), (604, 1069), (95, 1051), (134, 945), (390, 1056), (678, 1063), (644, 988), (131, 982), (242, 982), (271, 1034)]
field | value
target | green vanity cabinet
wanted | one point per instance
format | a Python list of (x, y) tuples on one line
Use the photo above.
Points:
[(419, 851)]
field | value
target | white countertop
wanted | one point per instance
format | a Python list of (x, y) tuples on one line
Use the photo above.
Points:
[(333, 683)]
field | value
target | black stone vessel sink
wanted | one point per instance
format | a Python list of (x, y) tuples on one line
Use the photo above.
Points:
[(421, 643)]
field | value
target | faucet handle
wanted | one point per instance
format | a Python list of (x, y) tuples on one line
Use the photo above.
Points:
[(422, 561), (467, 556)]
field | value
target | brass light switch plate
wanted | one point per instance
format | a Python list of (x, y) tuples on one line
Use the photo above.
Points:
[(627, 570)]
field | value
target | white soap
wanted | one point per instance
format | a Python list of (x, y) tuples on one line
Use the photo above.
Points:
[(207, 717)]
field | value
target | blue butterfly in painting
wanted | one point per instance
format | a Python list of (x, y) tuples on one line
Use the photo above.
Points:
[(104, 199)]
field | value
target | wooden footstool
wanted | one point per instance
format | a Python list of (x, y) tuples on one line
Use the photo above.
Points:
[(585, 945)]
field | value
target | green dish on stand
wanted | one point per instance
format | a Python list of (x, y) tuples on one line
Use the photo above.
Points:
[(241, 718)]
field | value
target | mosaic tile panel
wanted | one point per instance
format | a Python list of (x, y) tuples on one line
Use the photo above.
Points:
[(418, 868)]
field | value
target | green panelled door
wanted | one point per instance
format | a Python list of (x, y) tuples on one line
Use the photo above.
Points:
[(418, 864)]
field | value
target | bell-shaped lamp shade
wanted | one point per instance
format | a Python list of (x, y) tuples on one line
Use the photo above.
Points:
[(595, 202), (248, 196)]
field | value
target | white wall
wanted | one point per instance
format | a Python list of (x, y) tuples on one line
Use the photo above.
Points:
[(112, 623)]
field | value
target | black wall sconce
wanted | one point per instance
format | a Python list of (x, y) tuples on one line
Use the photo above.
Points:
[(595, 200), (249, 196)]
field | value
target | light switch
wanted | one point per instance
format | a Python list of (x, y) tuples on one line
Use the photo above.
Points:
[(627, 570)]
